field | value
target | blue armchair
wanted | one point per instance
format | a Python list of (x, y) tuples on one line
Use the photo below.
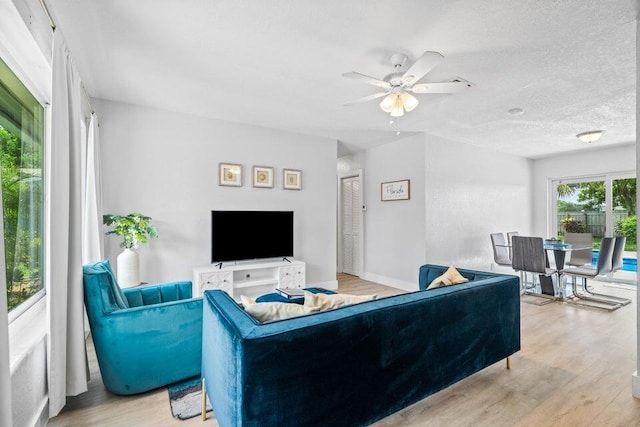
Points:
[(145, 337)]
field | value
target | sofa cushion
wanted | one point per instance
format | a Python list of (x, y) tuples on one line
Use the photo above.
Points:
[(267, 311), (432, 273), (450, 277), (328, 302)]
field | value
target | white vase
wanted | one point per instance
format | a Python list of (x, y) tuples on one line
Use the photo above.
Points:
[(128, 269)]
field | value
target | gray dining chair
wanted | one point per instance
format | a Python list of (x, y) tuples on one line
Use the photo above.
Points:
[(510, 235), (604, 266), (582, 256), (500, 250), (618, 253), (529, 257), (616, 264)]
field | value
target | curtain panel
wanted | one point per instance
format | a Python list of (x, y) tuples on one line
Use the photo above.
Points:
[(92, 236), (66, 349)]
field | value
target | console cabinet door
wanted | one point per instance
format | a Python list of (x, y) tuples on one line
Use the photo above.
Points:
[(292, 276), (216, 280)]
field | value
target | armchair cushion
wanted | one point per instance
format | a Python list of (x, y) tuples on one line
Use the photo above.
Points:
[(157, 294), (111, 294)]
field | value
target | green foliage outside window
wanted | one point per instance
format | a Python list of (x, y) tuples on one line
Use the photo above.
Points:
[(20, 163), (627, 227), (572, 225)]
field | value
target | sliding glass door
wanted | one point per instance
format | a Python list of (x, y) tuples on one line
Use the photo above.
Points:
[(579, 209), (603, 206)]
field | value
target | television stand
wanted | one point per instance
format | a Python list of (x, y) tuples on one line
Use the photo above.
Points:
[(252, 278)]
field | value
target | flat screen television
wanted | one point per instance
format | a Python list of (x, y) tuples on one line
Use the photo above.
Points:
[(244, 235)]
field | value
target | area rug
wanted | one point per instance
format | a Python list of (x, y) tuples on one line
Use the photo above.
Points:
[(185, 398)]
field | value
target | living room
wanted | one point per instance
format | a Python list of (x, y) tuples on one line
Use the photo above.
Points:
[(161, 144)]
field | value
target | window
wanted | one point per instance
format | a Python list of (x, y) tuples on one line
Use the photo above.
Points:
[(21, 160)]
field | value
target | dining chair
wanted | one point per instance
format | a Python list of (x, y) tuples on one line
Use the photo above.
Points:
[(618, 253), (510, 235), (604, 266), (500, 250), (579, 257), (616, 264), (529, 257)]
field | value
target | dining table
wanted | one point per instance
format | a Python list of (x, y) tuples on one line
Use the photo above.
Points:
[(559, 250)]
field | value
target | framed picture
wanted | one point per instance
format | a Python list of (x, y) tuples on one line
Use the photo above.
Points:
[(395, 190), (292, 179), (230, 174), (263, 177)]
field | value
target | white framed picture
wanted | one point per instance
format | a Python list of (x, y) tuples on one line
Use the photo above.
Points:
[(292, 179), (263, 176), (230, 174), (395, 190)]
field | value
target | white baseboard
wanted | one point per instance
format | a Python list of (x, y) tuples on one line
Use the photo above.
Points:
[(635, 385), (390, 281)]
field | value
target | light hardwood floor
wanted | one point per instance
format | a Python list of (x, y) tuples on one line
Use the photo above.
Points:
[(574, 369)]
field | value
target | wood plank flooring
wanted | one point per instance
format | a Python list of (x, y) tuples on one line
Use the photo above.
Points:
[(574, 369)]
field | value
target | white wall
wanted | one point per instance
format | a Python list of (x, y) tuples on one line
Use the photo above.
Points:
[(593, 162), (165, 165), (393, 231), (470, 193), (459, 195)]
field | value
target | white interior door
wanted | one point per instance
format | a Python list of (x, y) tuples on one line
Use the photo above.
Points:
[(350, 220)]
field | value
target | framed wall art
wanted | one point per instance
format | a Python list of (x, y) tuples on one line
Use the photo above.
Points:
[(292, 179), (263, 176), (395, 190), (230, 174)]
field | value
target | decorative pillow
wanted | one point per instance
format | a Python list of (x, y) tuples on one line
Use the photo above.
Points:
[(450, 277), (266, 311), (328, 302)]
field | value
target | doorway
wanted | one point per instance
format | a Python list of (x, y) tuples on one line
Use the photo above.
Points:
[(350, 225)]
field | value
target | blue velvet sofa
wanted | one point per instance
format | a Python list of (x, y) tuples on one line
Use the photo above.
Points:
[(145, 337), (356, 364)]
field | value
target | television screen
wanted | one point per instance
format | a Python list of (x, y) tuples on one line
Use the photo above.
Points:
[(243, 235)]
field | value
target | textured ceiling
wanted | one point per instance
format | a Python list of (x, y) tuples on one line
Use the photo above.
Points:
[(569, 64)]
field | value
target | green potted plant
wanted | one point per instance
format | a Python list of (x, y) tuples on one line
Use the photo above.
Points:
[(135, 229)]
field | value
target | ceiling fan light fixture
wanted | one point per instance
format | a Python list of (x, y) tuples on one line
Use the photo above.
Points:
[(408, 101), (388, 102), (590, 136), (397, 109)]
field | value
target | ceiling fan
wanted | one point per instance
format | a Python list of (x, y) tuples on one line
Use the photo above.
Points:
[(398, 85)]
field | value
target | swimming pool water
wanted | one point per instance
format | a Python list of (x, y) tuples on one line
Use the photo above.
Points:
[(628, 264)]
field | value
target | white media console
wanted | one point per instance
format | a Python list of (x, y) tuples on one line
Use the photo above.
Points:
[(249, 278)]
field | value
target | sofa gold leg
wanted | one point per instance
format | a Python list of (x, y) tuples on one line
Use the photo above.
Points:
[(508, 363), (203, 407)]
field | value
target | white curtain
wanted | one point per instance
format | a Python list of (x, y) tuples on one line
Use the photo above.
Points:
[(66, 350), (5, 371), (92, 247)]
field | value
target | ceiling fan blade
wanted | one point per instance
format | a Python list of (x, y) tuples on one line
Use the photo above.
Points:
[(367, 98), (422, 66), (367, 79), (445, 87)]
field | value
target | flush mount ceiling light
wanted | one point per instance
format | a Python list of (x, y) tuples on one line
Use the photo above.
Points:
[(590, 136)]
